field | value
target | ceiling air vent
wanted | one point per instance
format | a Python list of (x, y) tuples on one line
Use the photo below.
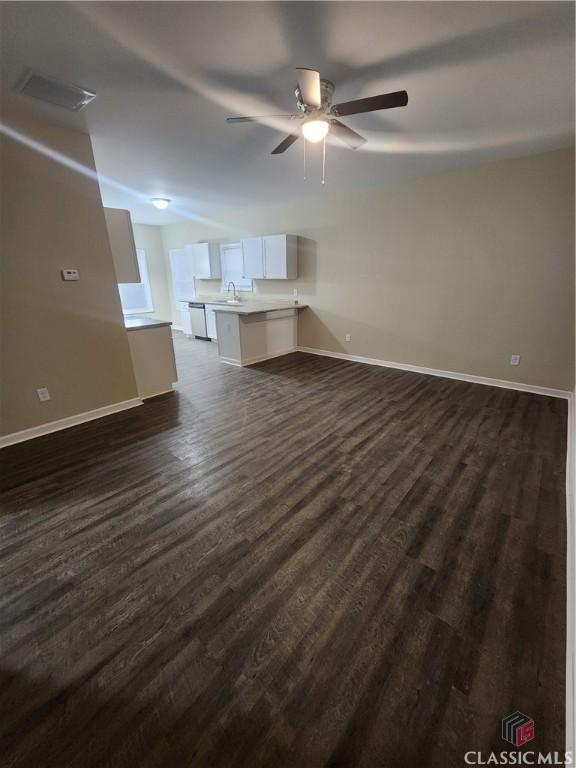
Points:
[(66, 95)]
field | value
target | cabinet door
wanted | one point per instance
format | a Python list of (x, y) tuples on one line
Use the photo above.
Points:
[(275, 256), (253, 257), (215, 261), (185, 320), (205, 258), (211, 323), (121, 237)]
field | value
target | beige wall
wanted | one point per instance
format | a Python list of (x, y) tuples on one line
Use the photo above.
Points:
[(149, 238), (455, 271), (68, 337)]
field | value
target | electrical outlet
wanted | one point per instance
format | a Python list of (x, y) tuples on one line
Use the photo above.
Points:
[(43, 394), (70, 274), (348, 337), (295, 293), (515, 360)]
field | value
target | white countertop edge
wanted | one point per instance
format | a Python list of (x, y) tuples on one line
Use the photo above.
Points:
[(144, 323), (253, 309)]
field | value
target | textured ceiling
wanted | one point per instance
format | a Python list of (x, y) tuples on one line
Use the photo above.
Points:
[(485, 81)]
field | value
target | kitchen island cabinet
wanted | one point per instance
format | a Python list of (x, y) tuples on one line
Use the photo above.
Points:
[(152, 354)]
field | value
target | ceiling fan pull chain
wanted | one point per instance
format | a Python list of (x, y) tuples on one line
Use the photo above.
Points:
[(324, 161)]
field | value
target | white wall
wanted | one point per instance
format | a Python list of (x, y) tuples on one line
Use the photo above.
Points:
[(456, 271), (67, 336)]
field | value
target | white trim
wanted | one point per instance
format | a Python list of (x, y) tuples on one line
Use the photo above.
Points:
[(535, 389), (258, 359), (261, 358), (69, 421), (157, 394), (229, 361), (570, 580)]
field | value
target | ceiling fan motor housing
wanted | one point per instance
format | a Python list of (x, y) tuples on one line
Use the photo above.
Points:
[(326, 93)]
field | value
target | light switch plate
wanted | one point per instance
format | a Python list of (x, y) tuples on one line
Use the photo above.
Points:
[(515, 360), (43, 394), (70, 274)]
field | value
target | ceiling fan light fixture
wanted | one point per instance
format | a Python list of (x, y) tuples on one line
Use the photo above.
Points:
[(315, 130), (319, 115), (160, 202)]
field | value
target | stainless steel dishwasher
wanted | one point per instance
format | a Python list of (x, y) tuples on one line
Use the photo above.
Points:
[(198, 320)]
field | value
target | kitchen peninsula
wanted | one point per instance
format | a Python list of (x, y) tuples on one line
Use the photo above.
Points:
[(251, 332)]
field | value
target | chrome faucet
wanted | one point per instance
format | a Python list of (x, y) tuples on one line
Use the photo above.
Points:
[(236, 298)]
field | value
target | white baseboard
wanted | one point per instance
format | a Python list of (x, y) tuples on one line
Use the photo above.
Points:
[(571, 580), (159, 394), (444, 374), (226, 360), (259, 359), (69, 421)]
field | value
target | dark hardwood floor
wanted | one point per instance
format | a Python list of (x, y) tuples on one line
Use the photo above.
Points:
[(304, 563)]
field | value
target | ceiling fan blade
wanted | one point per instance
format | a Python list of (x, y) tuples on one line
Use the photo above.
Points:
[(309, 84), (286, 143), (255, 118), (371, 104), (345, 134)]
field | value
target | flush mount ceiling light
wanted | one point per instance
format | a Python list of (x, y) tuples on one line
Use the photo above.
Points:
[(315, 130), (160, 202)]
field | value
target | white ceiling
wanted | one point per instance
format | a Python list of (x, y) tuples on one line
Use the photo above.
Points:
[(485, 80)]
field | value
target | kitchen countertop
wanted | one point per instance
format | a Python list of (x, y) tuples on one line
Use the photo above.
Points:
[(139, 323), (253, 307)]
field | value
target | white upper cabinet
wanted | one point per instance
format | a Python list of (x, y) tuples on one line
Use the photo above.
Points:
[(253, 257), (205, 260), (121, 237), (272, 257), (280, 257)]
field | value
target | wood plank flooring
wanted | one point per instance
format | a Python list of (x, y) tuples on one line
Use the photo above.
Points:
[(304, 563)]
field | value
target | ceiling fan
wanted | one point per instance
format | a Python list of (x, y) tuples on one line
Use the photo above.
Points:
[(318, 115)]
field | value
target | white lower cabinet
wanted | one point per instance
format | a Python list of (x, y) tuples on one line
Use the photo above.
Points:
[(210, 322), (185, 321)]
